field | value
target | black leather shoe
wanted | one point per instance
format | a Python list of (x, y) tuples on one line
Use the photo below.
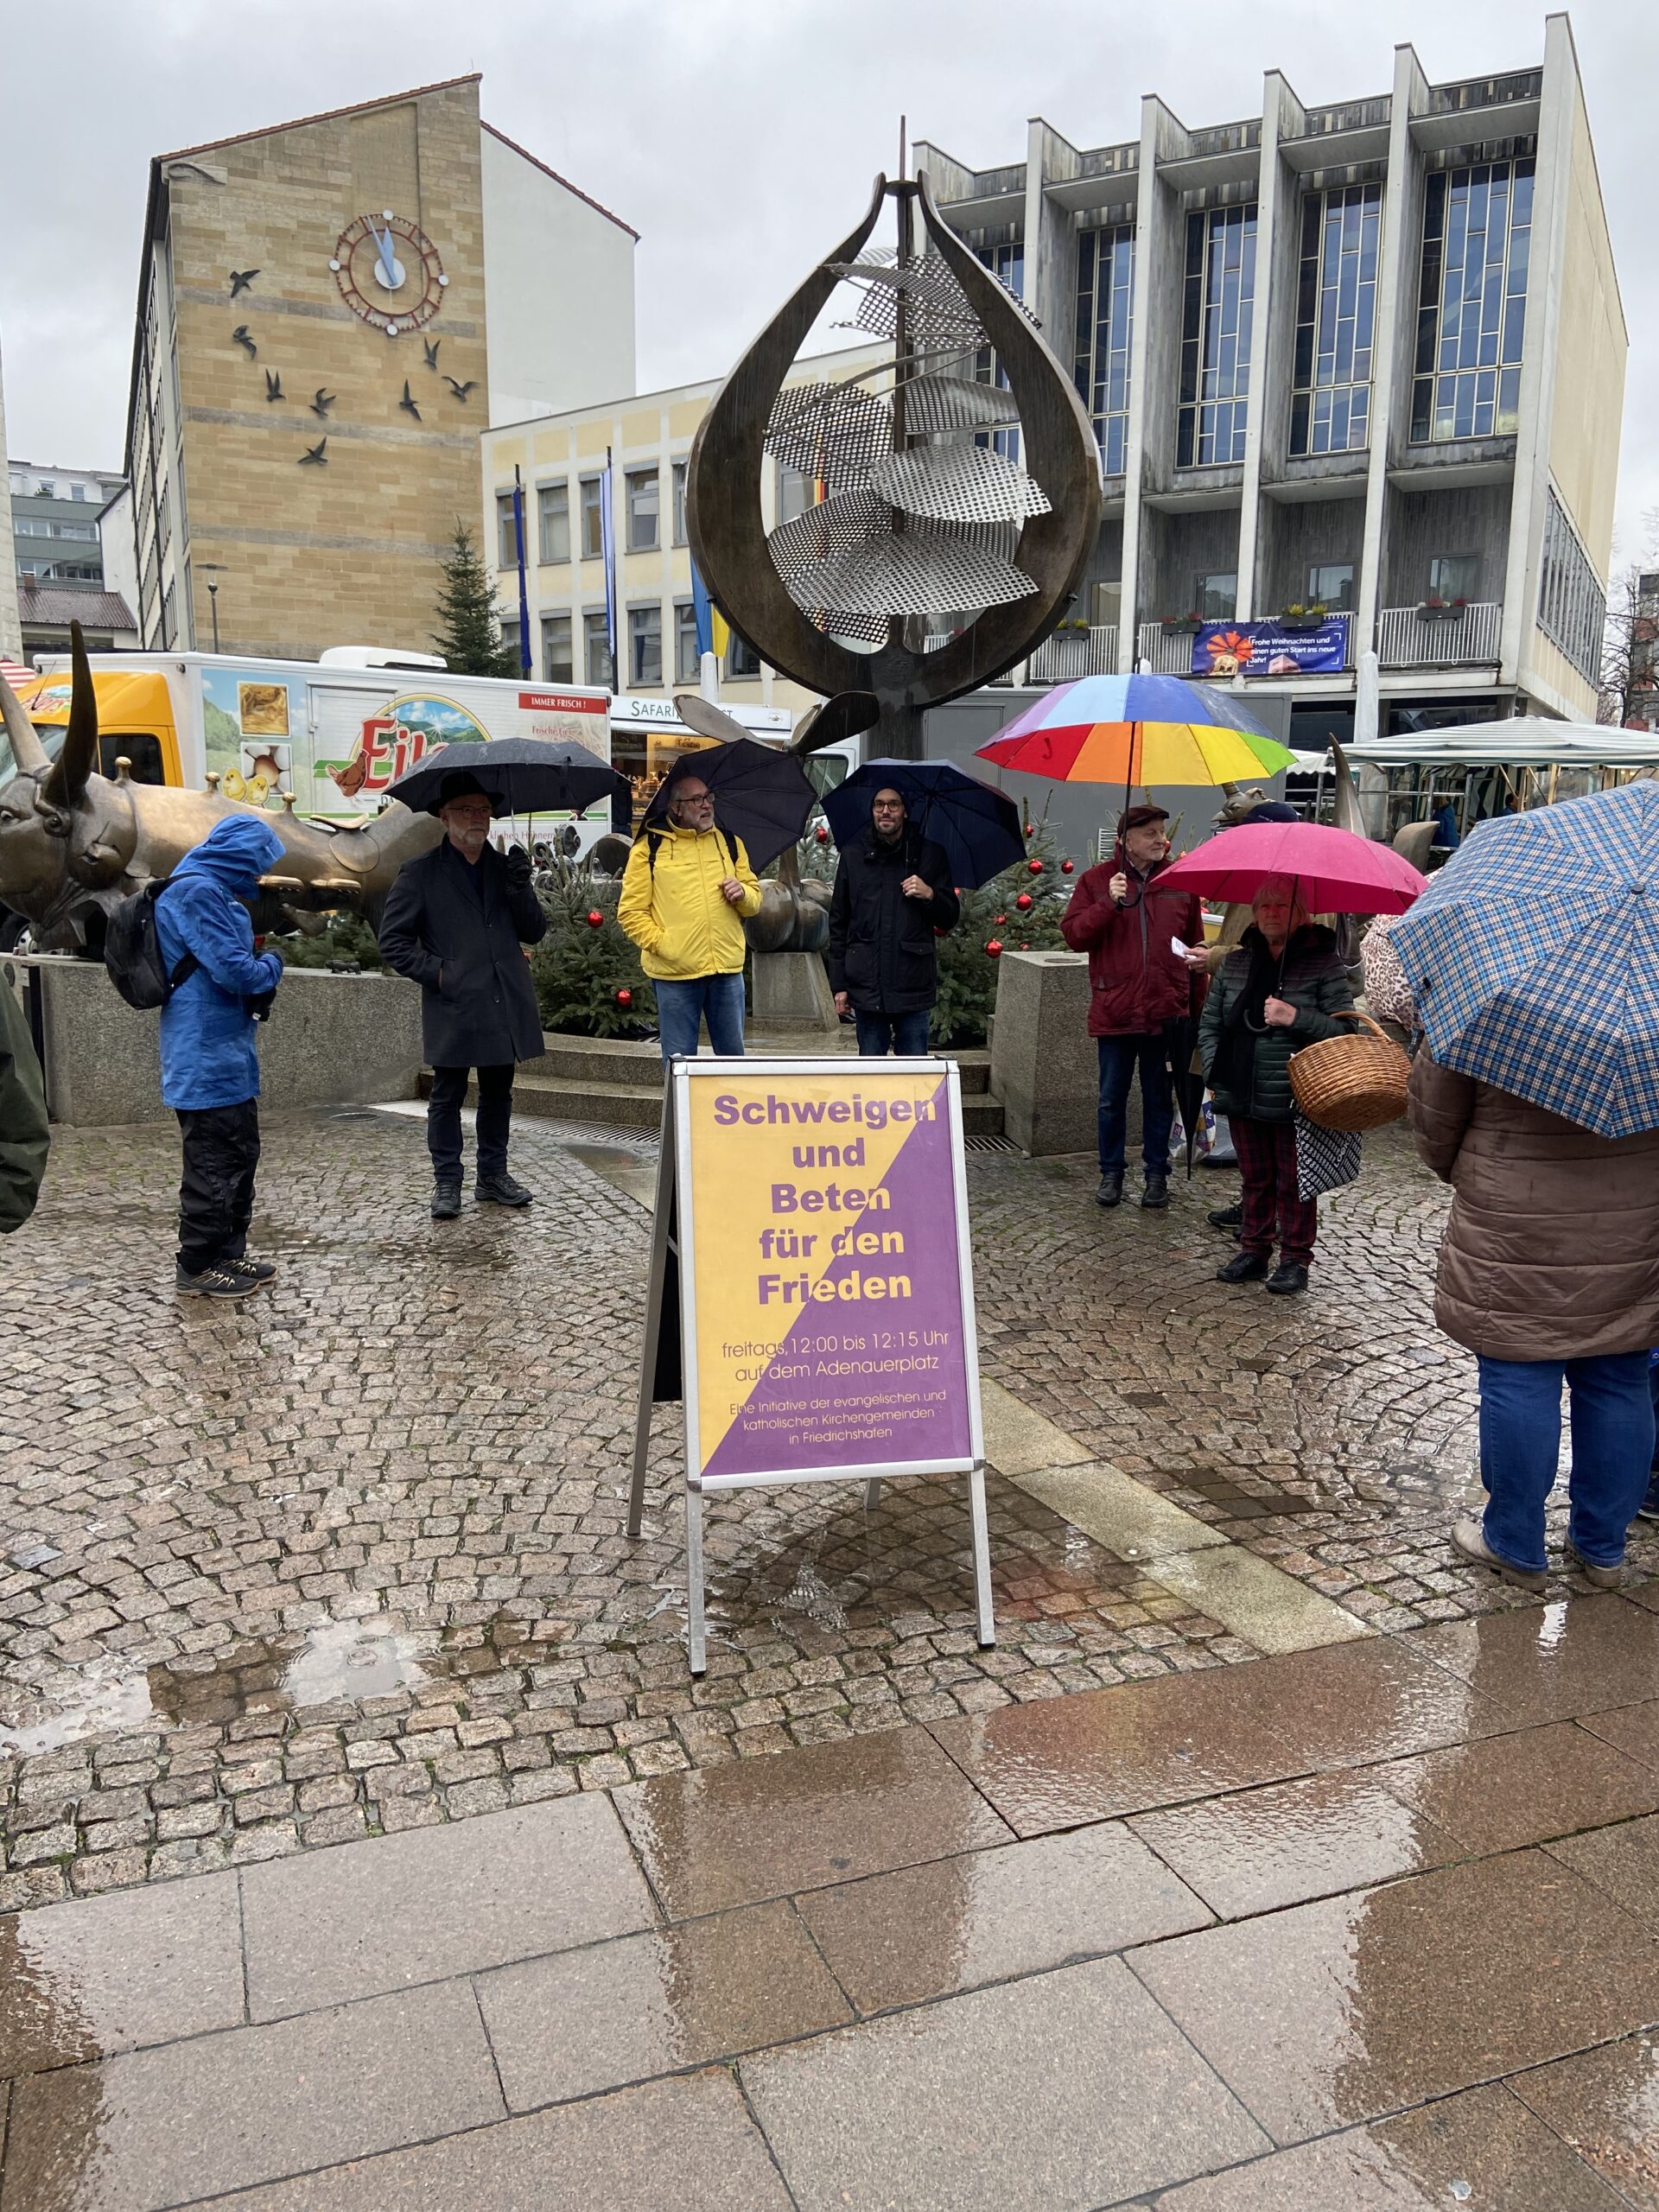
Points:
[(1287, 1279), (1110, 1192), (1243, 1267), (1156, 1194), (445, 1201), (1227, 1217), (500, 1190)]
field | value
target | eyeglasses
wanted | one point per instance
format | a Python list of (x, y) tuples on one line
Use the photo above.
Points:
[(888, 806)]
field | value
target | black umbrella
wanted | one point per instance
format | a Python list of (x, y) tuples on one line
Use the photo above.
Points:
[(761, 796), (977, 827), (521, 775), (1181, 1042)]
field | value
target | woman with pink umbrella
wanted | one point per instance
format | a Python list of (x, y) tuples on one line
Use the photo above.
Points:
[(1283, 986)]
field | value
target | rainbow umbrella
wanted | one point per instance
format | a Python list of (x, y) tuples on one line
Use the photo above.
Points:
[(1137, 729)]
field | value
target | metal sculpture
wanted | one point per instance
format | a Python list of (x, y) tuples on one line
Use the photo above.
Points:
[(930, 560), (74, 844)]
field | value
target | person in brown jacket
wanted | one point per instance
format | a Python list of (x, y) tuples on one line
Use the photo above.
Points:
[(1548, 1270)]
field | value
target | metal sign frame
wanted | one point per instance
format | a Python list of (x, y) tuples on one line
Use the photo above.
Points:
[(673, 1249)]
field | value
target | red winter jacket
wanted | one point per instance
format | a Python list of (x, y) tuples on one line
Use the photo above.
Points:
[(1137, 982)]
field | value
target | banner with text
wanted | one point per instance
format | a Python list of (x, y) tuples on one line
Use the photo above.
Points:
[(829, 1302), (1271, 648)]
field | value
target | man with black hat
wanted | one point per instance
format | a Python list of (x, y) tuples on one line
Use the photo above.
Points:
[(1129, 924), (455, 922)]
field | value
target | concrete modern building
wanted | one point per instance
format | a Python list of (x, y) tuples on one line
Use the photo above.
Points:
[(12, 637), (561, 461), (1367, 357), (71, 538), (328, 312)]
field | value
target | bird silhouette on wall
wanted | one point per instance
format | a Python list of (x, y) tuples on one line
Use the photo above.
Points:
[(316, 456), (241, 336), (406, 404), (431, 345), (321, 402), (273, 384), (460, 390), (240, 280)]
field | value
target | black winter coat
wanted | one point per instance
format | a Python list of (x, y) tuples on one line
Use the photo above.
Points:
[(1313, 981), (881, 944), (467, 924)]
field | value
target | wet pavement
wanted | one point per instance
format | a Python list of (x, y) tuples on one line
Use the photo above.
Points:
[(909, 1969)]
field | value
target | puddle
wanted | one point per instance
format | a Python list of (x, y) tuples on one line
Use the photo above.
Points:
[(337, 1660)]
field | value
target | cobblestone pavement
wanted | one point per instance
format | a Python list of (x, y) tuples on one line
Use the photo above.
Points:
[(350, 1558)]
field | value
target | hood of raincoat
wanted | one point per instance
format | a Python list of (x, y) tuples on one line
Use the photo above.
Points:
[(234, 854)]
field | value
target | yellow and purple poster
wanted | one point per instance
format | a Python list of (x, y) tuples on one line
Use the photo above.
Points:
[(824, 1270)]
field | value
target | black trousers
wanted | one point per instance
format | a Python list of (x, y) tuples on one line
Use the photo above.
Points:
[(221, 1153), (494, 1120)]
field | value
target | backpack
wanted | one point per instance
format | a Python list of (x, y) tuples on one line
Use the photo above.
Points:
[(132, 952)]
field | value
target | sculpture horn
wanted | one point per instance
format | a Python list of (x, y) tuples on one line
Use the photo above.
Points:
[(26, 747), (66, 784), (1347, 798)]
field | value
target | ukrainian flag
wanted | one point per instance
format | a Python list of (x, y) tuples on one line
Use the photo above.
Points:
[(713, 636)]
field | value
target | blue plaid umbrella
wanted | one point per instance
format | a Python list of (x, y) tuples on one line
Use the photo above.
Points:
[(1533, 958)]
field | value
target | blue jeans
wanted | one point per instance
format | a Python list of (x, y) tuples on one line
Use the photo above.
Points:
[(1520, 1443), (681, 1007), (903, 1033), (1119, 1059)]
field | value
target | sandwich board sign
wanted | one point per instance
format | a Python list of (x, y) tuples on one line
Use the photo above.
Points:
[(811, 1287)]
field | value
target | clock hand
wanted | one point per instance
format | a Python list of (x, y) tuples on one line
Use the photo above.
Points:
[(384, 248)]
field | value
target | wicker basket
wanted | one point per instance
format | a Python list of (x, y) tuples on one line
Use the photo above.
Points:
[(1352, 1082)]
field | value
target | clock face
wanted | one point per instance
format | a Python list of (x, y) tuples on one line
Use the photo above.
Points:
[(389, 272)]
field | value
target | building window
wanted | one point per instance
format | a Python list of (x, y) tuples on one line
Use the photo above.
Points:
[(557, 664), (1105, 323), (1007, 264), (1454, 575), (679, 502), (1218, 311), (506, 535), (741, 659), (77, 491), (593, 517), (596, 649), (1336, 319), (687, 659), (794, 493), (1471, 309), (644, 646), (1215, 596), (1331, 584), (553, 521), (1572, 606), (644, 507)]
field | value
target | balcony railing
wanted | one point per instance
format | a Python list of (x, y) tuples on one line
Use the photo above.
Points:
[(1073, 652), (1168, 652), (1406, 639)]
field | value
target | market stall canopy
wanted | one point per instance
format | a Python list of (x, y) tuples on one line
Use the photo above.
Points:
[(1526, 742)]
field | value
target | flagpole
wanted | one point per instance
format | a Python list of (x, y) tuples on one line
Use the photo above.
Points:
[(524, 590), (608, 550)]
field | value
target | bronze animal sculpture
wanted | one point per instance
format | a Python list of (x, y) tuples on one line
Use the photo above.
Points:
[(74, 843)]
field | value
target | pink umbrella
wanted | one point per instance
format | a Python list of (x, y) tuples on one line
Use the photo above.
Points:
[(1335, 872)]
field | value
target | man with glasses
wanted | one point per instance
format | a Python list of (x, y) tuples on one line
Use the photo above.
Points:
[(893, 899), (686, 892)]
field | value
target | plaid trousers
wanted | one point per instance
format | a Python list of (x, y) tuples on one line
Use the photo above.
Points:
[(1267, 1164)]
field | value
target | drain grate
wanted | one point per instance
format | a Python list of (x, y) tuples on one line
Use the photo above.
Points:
[(989, 1144)]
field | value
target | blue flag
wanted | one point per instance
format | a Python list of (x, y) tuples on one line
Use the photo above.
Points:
[(607, 550)]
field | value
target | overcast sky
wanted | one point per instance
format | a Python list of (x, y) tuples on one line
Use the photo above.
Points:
[(738, 137)]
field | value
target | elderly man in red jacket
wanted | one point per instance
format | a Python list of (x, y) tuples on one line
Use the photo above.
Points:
[(1130, 927)]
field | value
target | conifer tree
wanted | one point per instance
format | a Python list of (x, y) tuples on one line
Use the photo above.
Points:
[(470, 639)]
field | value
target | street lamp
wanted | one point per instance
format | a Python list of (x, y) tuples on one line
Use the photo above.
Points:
[(212, 598)]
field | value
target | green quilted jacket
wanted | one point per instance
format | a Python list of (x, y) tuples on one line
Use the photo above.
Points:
[(1314, 983)]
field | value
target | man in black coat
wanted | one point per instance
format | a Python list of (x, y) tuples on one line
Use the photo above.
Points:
[(455, 922), (893, 896)]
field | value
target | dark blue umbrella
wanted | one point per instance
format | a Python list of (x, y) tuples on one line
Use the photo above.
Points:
[(977, 827)]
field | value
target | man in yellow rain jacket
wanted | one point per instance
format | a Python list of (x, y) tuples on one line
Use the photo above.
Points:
[(686, 893)]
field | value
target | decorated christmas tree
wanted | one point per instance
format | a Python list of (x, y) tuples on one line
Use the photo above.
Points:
[(587, 973)]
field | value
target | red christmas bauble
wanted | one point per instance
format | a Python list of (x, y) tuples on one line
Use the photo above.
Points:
[(1036, 867), (999, 919), (625, 998), (1025, 947), (1066, 866), (595, 920), (824, 834), (1023, 902), (994, 948)]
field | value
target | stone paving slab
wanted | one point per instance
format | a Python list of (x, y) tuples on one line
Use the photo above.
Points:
[(1604, 2104)]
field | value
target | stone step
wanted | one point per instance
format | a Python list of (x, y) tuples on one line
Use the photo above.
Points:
[(559, 1098), (615, 1060)]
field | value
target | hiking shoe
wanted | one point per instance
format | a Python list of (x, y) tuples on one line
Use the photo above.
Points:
[(212, 1282), (256, 1271), (1110, 1192), (1243, 1267), (445, 1201), (1156, 1194), (500, 1190), (1288, 1277), (1468, 1538), (1648, 1508), (1598, 1578), (1227, 1217)]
